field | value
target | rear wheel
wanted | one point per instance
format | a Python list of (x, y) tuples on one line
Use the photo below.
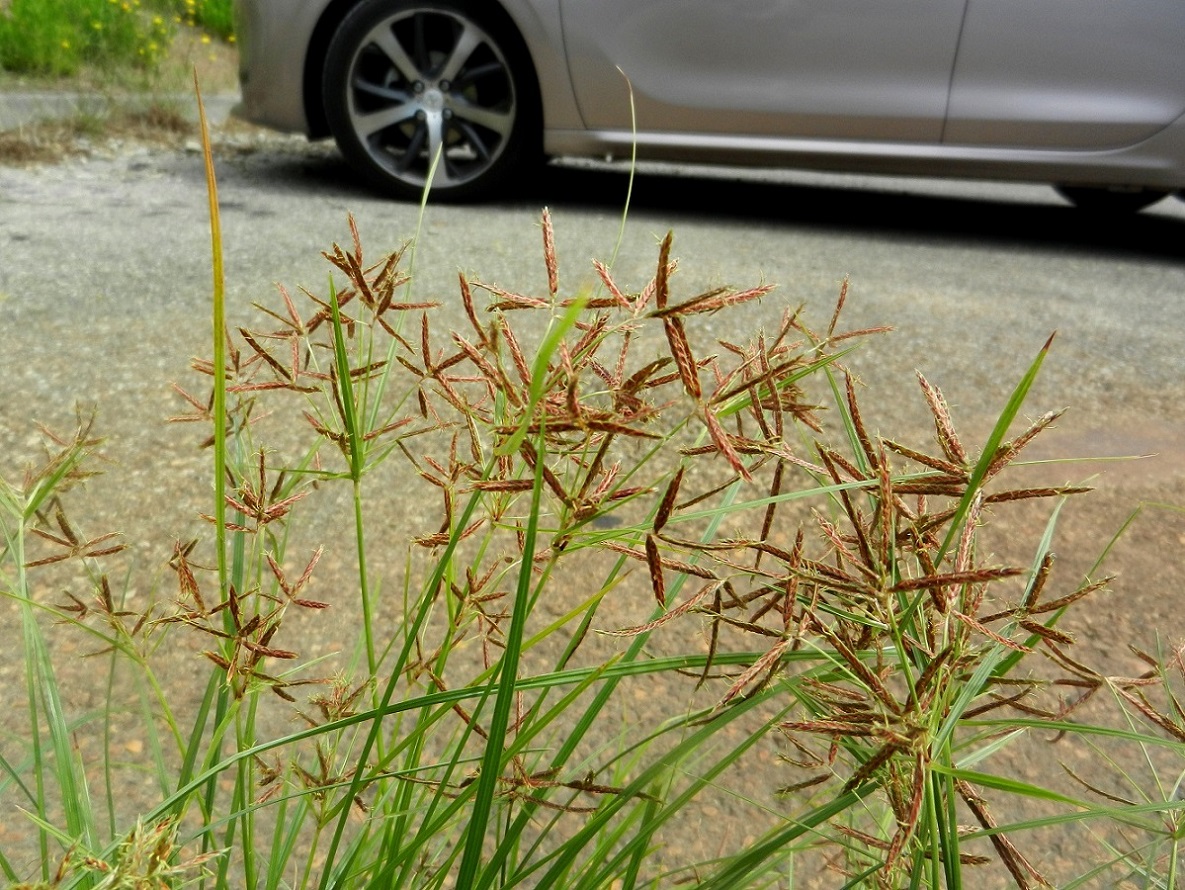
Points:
[(1110, 199), (409, 85)]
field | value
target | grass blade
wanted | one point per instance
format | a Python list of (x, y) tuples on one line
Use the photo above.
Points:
[(491, 764)]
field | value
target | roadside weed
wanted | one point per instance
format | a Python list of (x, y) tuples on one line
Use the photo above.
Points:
[(638, 572)]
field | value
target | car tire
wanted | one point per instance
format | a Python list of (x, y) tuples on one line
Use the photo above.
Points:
[(410, 82), (1114, 199)]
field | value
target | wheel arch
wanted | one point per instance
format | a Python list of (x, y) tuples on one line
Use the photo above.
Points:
[(314, 65), (331, 19)]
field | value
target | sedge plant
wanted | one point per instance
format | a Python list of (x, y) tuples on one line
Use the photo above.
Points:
[(823, 594)]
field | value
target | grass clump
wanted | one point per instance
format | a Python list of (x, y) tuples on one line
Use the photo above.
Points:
[(61, 38), (824, 594), (215, 17)]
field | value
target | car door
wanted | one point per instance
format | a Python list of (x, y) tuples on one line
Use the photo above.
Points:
[(1077, 74), (839, 69)]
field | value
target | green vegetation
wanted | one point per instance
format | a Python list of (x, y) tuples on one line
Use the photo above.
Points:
[(213, 16), (820, 594), (59, 38)]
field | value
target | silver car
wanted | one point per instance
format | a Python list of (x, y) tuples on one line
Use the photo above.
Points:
[(1087, 95)]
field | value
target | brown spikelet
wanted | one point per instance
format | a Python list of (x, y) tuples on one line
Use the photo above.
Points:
[(654, 564), (516, 354), (509, 301), (553, 276), (907, 822), (603, 273), (617, 429), (1009, 450), (509, 485), (668, 501), (680, 610), (972, 576), (870, 453), (944, 466), (357, 239), (988, 632), (470, 312), (963, 555), (218, 660), (265, 355), (1046, 633), (766, 664), (947, 437), (839, 304), (266, 651), (870, 766), (713, 635), (1069, 599), (850, 727), (1141, 704), (549, 476), (806, 783), (661, 283), (495, 378), (1019, 867), (713, 301), (863, 672), (767, 522), (1039, 581), (1023, 494), (684, 360), (185, 577), (441, 538), (724, 446)]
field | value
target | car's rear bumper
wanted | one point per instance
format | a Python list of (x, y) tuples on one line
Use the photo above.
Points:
[(272, 50)]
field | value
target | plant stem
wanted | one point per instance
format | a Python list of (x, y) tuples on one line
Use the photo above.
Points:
[(491, 765)]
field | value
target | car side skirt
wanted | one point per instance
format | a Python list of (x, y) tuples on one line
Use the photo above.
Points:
[(1157, 162)]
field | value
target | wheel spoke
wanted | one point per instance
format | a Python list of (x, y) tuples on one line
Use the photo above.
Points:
[(467, 41), (474, 139), (421, 44), (384, 39), (435, 125), (367, 125), (414, 147), (500, 122), (379, 91), (476, 73)]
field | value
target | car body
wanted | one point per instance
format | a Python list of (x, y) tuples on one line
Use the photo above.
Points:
[(1088, 95)]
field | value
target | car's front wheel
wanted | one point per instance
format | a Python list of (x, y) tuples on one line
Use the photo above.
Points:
[(1110, 199), (432, 89)]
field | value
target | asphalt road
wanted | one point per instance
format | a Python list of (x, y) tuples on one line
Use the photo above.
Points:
[(105, 283)]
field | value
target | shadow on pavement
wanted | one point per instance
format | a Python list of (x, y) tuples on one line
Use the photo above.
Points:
[(861, 209), (876, 212)]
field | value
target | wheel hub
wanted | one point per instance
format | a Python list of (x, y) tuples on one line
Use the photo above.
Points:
[(432, 100)]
